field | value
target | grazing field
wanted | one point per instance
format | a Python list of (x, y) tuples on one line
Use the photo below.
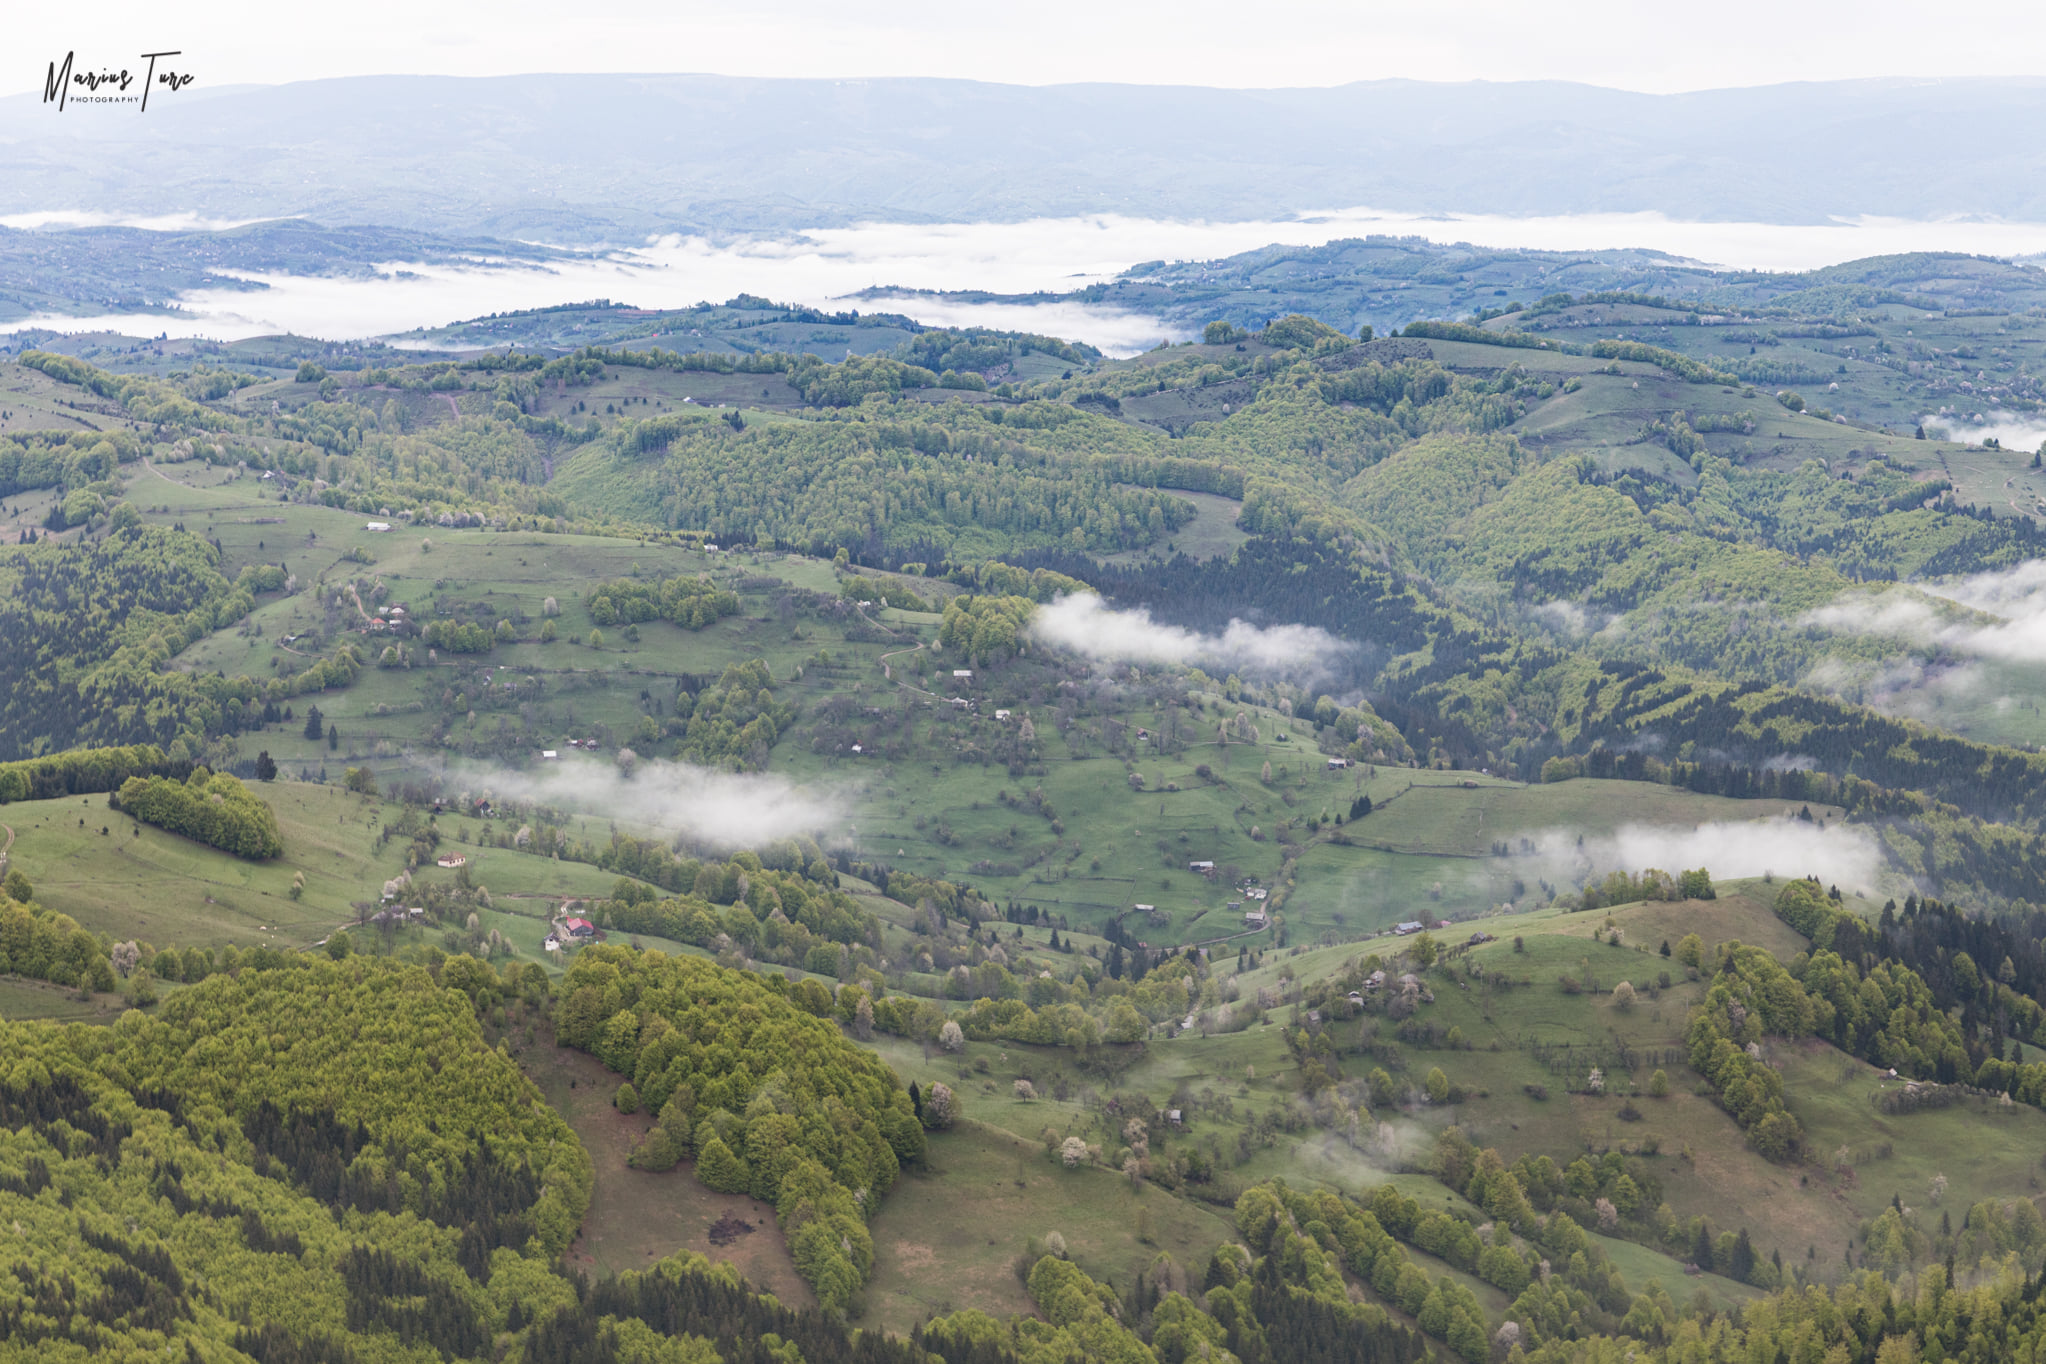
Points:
[(1212, 534), (137, 881), (636, 1217), (948, 1238), (25, 1000)]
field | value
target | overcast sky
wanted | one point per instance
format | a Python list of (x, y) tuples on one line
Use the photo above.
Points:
[(1635, 46)]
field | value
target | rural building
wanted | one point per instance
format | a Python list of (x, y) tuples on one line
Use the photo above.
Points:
[(963, 674), (1200, 866), (1409, 927), (1001, 715), (376, 525), (1338, 762), (581, 928), (549, 754), (1254, 918), (1375, 981), (452, 860)]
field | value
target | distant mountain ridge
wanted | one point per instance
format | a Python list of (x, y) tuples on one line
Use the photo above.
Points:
[(590, 158)]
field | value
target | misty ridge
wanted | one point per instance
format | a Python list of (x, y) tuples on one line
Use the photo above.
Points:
[(622, 157), (1086, 625), (719, 810), (1998, 615)]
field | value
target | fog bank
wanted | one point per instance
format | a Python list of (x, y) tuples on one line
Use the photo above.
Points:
[(719, 809), (1086, 625), (1841, 854)]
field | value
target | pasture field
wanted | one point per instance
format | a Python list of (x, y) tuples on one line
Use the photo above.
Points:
[(23, 1000), (947, 1238), (137, 881), (636, 1217), (1212, 534)]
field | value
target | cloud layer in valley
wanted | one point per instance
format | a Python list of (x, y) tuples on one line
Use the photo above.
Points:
[(1086, 625), (1840, 854), (718, 809), (824, 266), (2009, 623)]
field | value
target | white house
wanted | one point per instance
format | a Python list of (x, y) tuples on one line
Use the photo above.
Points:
[(376, 525)]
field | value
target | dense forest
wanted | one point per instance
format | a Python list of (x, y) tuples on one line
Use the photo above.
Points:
[(213, 809), (768, 1098), (280, 1160)]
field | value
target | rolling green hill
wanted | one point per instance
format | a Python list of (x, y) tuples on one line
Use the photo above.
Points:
[(765, 663)]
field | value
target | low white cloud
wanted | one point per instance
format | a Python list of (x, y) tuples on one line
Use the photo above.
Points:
[(828, 266), (1086, 625), (2000, 615), (162, 222), (1841, 854), (718, 809), (2008, 429)]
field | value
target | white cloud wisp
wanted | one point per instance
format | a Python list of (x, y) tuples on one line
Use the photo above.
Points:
[(1086, 625), (718, 809)]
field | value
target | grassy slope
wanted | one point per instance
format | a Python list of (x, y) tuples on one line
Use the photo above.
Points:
[(140, 882)]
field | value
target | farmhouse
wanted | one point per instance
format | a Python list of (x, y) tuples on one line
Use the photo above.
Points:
[(581, 928), (549, 754), (1409, 927), (452, 860), (378, 526), (1254, 917), (1200, 866), (963, 674)]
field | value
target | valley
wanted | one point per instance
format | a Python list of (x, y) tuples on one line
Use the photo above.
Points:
[(1278, 837)]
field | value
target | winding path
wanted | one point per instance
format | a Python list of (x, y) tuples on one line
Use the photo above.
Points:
[(889, 673)]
